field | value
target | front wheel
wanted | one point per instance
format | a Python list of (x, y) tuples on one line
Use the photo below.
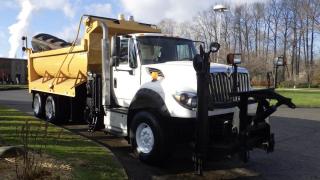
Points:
[(147, 138)]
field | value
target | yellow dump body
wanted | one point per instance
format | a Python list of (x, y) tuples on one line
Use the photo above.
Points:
[(60, 71)]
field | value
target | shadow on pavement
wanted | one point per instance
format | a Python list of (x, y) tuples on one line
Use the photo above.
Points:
[(296, 153), (291, 158)]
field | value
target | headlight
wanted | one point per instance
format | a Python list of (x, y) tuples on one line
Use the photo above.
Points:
[(186, 99)]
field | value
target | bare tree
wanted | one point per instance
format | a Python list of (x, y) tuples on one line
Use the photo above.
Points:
[(261, 31), (275, 14), (258, 14), (167, 26)]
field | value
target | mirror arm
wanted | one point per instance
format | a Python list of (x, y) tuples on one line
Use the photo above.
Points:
[(125, 70), (132, 65), (115, 61)]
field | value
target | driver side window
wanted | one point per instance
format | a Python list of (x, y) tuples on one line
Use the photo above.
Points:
[(124, 51)]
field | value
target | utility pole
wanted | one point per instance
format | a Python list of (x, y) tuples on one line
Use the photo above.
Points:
[(219, 9)]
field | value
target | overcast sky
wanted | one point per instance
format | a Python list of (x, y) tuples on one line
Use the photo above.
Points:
[(60, 17)]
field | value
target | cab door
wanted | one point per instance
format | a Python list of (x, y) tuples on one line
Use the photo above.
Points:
[(126, 76)]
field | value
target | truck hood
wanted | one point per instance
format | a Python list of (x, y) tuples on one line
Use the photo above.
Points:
[(181, 76), (186, 67)]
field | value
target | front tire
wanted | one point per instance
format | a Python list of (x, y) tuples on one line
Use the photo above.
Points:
[(147, 138)]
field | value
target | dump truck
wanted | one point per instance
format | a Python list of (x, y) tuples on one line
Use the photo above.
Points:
[(130, 80)]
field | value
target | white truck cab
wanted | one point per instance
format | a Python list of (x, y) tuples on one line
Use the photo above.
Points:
[(153, 76)]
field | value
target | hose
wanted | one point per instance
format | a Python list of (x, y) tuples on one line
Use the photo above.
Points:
[(70, 50)]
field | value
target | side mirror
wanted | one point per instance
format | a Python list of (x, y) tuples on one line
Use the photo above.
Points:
[(214, 47), (115, 50), (234, 59), (132, 54)]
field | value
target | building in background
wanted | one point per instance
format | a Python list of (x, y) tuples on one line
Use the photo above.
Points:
[(13, 71)]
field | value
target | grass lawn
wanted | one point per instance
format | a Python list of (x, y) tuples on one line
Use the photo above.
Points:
[(4, 87), (302, 97), (87, 159)]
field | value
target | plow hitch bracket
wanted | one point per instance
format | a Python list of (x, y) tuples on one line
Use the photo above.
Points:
[(250, 125), (264, 108)]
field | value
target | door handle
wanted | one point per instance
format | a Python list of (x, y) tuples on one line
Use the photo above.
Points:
[(115, 83)]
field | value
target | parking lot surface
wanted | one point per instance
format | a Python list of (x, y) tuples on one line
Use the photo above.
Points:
[(296, 155)]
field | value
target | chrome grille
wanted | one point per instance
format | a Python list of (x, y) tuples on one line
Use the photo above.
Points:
[(221, 85)]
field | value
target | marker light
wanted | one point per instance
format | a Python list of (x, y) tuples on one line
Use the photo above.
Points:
[(154, 76)]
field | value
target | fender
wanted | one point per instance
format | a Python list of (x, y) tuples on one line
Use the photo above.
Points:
[(150, 100)]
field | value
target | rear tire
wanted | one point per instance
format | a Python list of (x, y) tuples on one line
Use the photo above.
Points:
[(53, 111), (148, 139), (38, 105)]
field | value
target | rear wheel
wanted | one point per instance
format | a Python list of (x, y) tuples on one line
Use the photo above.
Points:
[(38, 105), (147, 138), (53, 110)]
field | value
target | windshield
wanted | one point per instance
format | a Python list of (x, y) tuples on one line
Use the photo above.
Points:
[(159, 49)]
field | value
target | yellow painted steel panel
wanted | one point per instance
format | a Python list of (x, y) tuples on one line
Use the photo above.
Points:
[(65, 88), (69, 65)]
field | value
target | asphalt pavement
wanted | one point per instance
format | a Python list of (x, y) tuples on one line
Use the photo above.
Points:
[(296, 155)]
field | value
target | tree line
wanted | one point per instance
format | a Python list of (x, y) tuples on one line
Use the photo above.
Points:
[(261, 32)]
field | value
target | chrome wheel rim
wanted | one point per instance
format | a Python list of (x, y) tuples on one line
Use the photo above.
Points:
[(36, 104), (144, 138), (49, 109)]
